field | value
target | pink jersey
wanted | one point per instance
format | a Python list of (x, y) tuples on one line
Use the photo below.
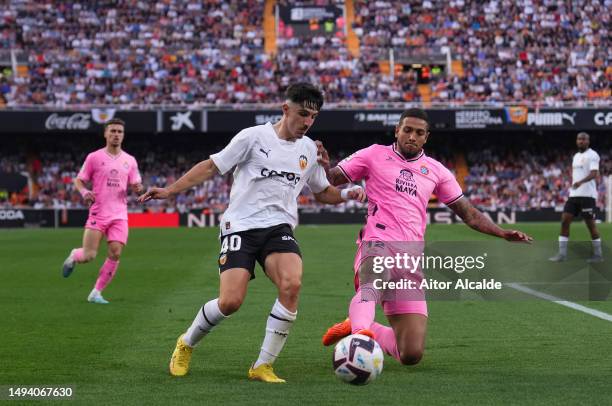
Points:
[(110, 176), (398, 191)]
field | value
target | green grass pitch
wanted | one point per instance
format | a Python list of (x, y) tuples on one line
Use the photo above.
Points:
[(529, 352)]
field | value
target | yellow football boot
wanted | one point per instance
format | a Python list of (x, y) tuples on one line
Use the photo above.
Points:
[(179, 363), (264, 373)]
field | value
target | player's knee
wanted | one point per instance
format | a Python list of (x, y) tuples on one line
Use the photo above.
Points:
[(229, 305), (114, 255), (290, 287), (411, 356)]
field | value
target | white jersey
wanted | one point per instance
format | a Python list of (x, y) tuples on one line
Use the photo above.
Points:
[(269, 176), (582, 165)]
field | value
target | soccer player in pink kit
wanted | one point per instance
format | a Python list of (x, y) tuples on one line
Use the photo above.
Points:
[(400, 179), (110, 171)]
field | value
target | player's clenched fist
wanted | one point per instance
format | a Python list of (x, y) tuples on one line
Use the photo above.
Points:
[(88, 197), (154, 193), (354, 193)]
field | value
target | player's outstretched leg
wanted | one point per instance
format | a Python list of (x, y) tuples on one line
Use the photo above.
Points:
[(181, 357), (206, 319), (337, 332), (385, 337), (232, 291), (362, 311), (361, 315)]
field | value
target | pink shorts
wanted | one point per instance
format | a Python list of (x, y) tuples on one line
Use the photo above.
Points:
[(389, 307), (114, 230)]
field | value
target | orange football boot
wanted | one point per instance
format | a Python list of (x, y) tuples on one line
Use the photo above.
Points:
[(337, 332)]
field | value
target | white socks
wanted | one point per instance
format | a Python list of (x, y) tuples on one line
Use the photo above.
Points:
[(563, 241), (277, 328), (597, 247), (563, 245), (206, 319)]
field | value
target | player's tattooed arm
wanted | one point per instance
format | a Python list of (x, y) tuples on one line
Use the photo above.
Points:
[(335, 176), (476, 220)]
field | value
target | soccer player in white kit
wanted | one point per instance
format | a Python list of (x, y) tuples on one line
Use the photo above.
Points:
[(583, 198), (273, 163)]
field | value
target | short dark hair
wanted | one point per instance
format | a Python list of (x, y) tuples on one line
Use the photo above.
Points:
[(113, 121), (416, 113), (305, 95)]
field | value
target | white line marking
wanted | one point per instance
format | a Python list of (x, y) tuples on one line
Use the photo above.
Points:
[(566, 303)]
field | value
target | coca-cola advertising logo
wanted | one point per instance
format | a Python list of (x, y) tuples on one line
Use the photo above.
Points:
[(76, 121)]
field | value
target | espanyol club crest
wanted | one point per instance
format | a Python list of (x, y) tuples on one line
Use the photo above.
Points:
[(303, 162), (424, 170)]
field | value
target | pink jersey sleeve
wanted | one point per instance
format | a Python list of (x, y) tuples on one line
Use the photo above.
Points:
[(447, 189), (87, 169), (134, 175), (356, 166)]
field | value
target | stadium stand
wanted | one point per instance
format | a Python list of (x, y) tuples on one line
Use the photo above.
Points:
[(136, 53)]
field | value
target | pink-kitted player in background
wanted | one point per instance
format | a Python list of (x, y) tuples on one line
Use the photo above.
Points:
[(109, 171)]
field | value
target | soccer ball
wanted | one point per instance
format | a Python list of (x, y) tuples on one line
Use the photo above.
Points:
[(358, 359)]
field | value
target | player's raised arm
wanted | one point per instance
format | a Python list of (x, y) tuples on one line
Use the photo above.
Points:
[(479, 222), (199, 173), (335, 176)]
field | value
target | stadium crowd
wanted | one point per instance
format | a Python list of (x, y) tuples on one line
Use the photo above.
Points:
[(536, 50), (497, 180), (135, 53)]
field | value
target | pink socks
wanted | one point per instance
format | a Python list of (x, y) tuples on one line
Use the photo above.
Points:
[(106, 273), (361, 313), (386, 339)]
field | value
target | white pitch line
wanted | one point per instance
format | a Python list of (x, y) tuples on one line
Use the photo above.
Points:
[(566, 303)]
